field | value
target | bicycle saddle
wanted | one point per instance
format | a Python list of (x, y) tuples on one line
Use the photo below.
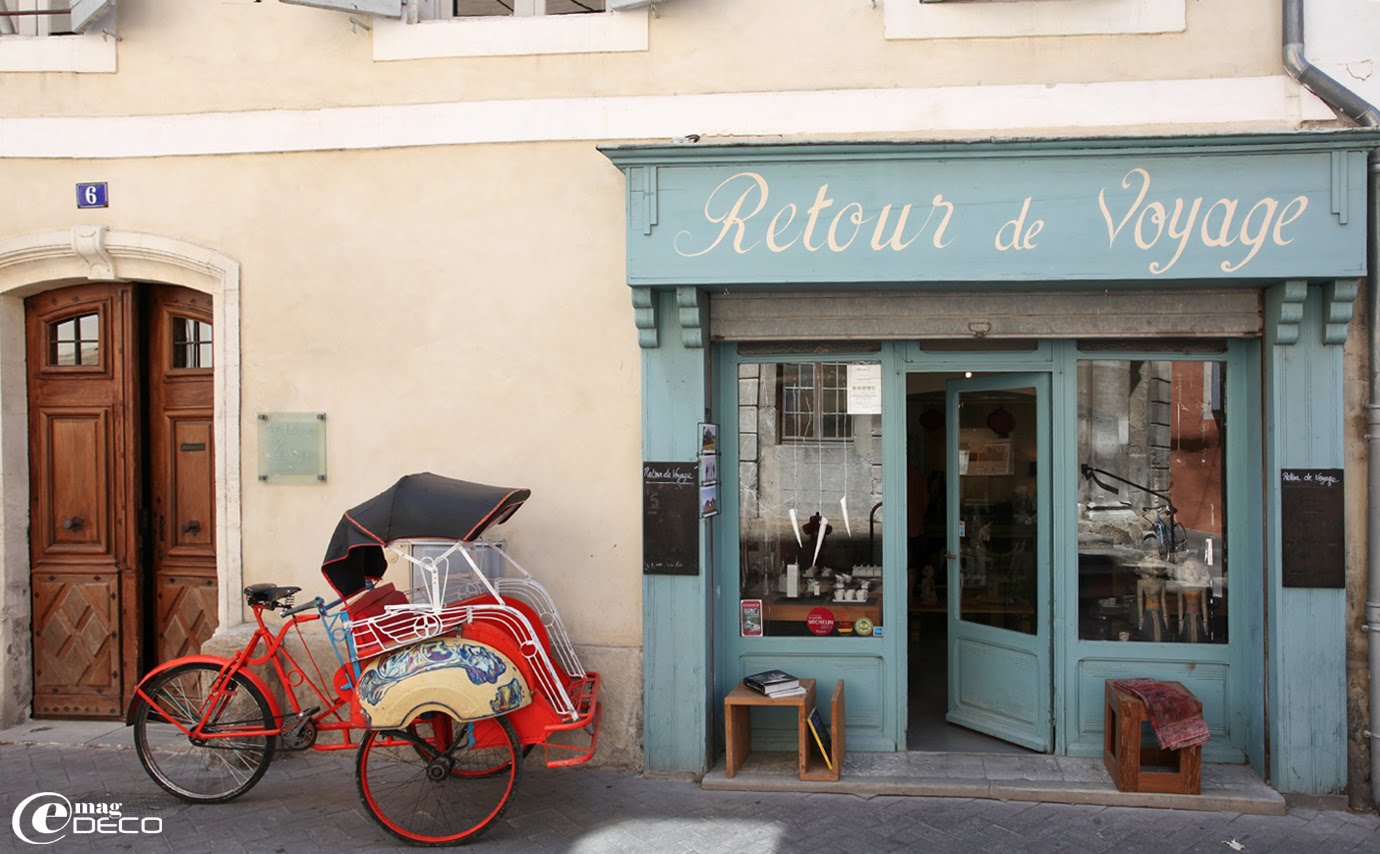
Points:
[(268, 595)]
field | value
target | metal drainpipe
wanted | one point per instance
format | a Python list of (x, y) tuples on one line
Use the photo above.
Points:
[(1354, 107)]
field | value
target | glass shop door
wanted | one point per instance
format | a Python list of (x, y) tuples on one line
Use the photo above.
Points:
[(998, 530)]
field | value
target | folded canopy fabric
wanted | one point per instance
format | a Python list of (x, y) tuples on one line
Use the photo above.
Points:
[(418, 506)]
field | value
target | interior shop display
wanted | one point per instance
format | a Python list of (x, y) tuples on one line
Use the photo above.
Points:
[(1152, 526), (810, 455)]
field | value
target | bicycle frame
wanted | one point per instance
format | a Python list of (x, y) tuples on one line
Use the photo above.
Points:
[(291, 677)]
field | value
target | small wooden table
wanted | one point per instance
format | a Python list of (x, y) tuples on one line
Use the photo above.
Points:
[(738, 729), (738, 725), (1124, 756)]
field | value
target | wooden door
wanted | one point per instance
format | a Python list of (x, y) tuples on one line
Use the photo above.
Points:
[(84, 484), (182, 475)]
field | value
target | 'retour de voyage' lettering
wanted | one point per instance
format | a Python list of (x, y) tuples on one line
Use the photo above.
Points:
[(747, 220)]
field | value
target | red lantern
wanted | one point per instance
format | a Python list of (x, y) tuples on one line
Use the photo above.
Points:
[(932, 419), (1001, 421)]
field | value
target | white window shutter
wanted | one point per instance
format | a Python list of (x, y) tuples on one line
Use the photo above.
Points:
[(85, 13), (621, 5), (381, 8)]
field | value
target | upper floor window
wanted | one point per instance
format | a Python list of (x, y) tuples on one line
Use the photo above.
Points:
[(57, 35), (434, 9), (959, 19), (428, 29)]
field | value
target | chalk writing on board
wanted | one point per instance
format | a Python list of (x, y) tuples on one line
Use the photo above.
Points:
[(670, 518), (1313, 528)]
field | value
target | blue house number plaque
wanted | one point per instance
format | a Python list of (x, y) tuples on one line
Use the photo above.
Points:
[(93, 195)]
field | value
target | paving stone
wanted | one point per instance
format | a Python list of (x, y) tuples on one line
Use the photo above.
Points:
[(308, 803)]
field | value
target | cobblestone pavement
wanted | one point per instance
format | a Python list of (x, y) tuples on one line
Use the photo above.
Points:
[(308, 803)]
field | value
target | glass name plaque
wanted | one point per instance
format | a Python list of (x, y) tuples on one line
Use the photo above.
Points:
[(292, 447)]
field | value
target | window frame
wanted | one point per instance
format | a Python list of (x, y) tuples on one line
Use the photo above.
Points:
[(970, 19), (1234, 514), (614, 30), (819, 415), (34, 48), (196, 342)]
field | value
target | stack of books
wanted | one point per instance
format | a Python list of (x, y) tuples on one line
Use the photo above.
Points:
[(774, 683)]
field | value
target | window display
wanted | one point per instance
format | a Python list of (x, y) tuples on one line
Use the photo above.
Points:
[(1152, 561), (810, 484)]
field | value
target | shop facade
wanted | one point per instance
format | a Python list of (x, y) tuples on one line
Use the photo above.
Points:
[(997, 422)]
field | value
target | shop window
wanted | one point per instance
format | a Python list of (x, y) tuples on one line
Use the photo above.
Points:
[(75, 342), (191, 343), (1152, 558), (810, 539), (813, 401)]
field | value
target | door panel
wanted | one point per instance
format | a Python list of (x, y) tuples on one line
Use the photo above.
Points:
[(182, 484), (82, 400), (74, 513), (998, 532)]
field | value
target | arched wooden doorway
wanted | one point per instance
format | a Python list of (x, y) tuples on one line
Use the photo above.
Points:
[(122, 488)]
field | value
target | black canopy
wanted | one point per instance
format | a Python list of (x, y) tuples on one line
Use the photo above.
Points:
[(418, 506)]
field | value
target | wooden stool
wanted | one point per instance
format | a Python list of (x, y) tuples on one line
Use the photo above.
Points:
[(1124, 756)]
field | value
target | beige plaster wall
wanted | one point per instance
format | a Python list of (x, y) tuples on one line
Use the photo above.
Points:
[(186, 57), (455, 310)]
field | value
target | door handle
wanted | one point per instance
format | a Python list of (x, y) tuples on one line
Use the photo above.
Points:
[(950, 556), (75, 523), (191, 527)]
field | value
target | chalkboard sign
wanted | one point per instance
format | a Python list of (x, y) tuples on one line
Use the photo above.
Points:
[(670, 519), (1313, 522)]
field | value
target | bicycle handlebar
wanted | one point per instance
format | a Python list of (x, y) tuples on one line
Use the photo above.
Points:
[(316, 602)]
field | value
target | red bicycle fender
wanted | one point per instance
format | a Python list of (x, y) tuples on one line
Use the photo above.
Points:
[(204, 659)]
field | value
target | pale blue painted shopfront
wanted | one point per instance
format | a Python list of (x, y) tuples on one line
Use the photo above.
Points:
[(1013, 301)]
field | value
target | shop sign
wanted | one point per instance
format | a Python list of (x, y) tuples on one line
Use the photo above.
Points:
[(911, 214)]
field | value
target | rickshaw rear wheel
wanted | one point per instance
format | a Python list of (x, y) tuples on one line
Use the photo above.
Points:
[(446, 791), (215, 769)]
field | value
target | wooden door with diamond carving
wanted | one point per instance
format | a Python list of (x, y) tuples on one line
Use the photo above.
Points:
[(84, 487), (181, 482)]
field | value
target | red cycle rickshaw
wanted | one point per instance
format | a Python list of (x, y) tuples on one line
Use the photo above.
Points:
[(449, 683)]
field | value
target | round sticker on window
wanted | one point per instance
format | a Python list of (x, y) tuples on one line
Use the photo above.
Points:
[(863, 627), (820, 621)]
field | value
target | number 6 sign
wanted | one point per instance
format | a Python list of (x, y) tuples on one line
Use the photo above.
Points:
[(93, 195)]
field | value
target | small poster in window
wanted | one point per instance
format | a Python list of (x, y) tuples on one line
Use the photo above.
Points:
[(865, 389), (751, 618)]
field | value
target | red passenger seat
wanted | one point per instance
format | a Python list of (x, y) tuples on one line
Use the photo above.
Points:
[(370, 603)]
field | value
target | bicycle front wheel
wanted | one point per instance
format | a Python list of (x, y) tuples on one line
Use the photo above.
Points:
[(443, 782), (207, 770)]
